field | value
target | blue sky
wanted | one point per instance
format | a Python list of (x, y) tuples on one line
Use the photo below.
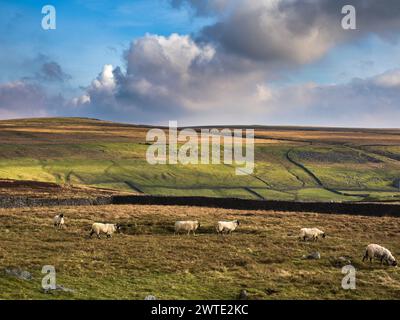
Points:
[(98, 30), (214, 61)]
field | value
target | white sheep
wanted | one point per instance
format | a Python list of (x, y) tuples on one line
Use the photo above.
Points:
[(227, 226), (186, 226), (379, 252), (107, 228), (311, 234), (58, 221)]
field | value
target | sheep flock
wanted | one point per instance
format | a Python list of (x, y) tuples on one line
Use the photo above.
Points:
[(372, 251)]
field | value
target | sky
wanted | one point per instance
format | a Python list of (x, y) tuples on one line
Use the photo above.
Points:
[(203, 62)]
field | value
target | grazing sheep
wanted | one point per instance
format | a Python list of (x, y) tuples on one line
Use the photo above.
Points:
[(107, 228), (311, 234), (379, 252), (58, 221), (227, 226), (186, 226)]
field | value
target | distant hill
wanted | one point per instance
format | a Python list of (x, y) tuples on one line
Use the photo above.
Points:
[(292, 163)]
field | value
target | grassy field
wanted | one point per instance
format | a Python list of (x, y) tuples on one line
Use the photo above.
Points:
[(86, 158), (302, 164), (263, 256)]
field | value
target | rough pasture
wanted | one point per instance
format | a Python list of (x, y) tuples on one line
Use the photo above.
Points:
[(263, 256)]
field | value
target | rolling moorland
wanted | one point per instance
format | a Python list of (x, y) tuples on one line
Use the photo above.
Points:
[(264, 256), (299, 164)]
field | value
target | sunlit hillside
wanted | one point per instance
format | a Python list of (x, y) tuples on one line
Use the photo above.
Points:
[(291, 163)]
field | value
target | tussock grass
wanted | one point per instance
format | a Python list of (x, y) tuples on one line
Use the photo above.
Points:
[(263, 256)]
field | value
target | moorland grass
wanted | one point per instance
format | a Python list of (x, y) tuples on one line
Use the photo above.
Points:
[(264, 256)]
